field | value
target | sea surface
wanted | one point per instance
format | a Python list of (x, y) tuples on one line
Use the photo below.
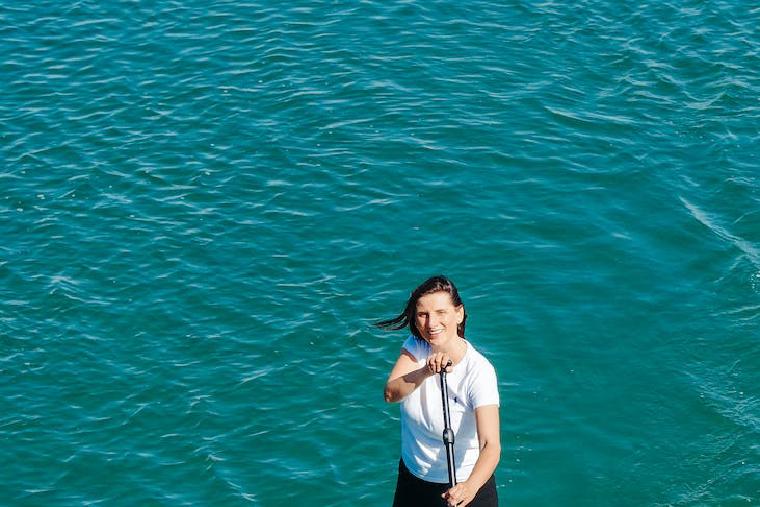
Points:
[(205, 205)]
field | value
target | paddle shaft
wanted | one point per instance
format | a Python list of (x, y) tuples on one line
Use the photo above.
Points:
[(448, 433)]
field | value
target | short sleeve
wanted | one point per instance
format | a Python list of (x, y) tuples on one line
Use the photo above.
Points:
[(416, 347), (484, 389)]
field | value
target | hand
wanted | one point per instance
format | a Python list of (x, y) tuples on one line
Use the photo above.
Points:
[(460, 495), (439, 361)]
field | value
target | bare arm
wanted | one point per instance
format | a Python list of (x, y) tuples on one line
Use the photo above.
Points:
[(487, 423), (405, 377)]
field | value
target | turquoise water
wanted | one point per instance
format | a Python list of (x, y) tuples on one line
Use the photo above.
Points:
[(205, 205)]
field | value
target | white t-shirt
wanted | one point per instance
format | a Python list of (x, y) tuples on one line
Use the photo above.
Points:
[(471, 384)]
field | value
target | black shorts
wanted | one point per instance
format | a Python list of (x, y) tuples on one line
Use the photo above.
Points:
[(412, 491)]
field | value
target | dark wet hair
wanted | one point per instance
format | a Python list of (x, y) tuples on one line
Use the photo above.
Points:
[(438, 283)]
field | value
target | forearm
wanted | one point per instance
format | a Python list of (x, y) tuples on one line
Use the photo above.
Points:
[(485, 464), (399, 388)]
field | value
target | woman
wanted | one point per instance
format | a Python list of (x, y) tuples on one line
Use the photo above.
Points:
[(436, 318)]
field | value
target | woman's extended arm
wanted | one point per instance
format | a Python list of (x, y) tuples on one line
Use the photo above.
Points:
[(405, 377), (487, 423)]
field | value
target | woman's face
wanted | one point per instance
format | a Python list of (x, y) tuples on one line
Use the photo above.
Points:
[(437, 318)]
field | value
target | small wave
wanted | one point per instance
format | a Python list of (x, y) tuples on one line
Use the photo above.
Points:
[(711, 223)]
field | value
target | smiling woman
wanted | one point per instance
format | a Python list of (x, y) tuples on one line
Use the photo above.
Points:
[(436, 316)]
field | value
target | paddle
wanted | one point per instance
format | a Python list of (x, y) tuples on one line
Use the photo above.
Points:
[(448, 434)]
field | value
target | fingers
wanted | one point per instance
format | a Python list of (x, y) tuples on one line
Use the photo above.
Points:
[(438, 361), (458, 496), (451, 497)]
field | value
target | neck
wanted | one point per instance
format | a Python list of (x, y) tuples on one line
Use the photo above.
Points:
[(455, 350)]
